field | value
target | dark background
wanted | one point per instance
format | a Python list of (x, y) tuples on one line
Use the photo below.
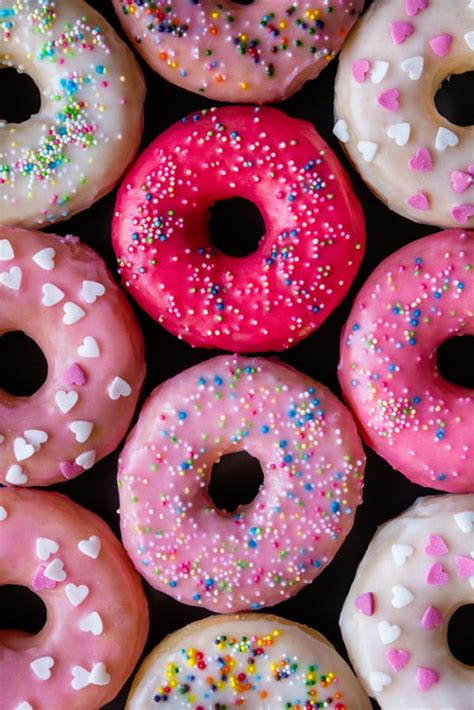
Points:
[(236, 478)]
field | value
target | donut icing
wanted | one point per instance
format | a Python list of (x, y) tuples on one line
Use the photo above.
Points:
[(415, 300), (249, 661), (415, 160), (89, 126), (305, 262), (97, 616), (59, 292), (264, 552), (259, 53), (417, 571)]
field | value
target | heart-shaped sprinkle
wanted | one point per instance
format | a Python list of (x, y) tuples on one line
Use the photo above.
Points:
[(421, 161), (413, 7), (55, 570), (99, 675), (400, 132), (82, 430), (389, 99), (45, 547), (360, 70), (15, 475), (431, 618), (3, 513), (341, 131), (70, 470), (86, 459), (41, 667), (92, 623), (400, 553), (365, 603), (90, 547), (426, 678), (465, 520), (436, 546), (92, 290), (400, 31), (441, 44), (6, 250), (461, 181), (77, 593), (72, 313), (378, 71), (398, 658), (40, 582), (388, 633), (462, 213), (75, 375), (2, 438), (12, 279), (22, 449), (401, 596), (469, 39), (45, 258), (379, 680), (414, 67), (419, 201), (51, 295), (36, 437), (119, 388), (89, 347), (445, 139), (80, 677), (465, 566), (368, 150), (436, 575), (66, 400), (24, 706)]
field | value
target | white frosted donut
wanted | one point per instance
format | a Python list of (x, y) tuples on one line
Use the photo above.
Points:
[(89, 126), (251, 661), (418, 570), (414, 159)]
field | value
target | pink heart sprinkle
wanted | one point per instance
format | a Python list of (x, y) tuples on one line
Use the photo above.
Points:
[(462, 213), (360, 69), (465, 566), (75, 375), (436, 546), (419, 201), (426, 677), (461, 180), (41, 582), (365, 603), (421, 160), (413, 7), (470, 169), (398, 658), (70, 470), (431, 618), (436, 575), (389, 99), (400, 31), (441, 44)]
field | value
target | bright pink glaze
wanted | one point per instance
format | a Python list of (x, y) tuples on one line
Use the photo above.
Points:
[(264, 552), (305, 262), (60, 293), (74, 563), (415, 300)]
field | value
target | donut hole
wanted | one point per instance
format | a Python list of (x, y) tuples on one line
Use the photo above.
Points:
[(453, 100), (23, 367), (243, 2), (460, 638), (236, 226), (23, 96), (454, 360), (21, 609), (236, 480)]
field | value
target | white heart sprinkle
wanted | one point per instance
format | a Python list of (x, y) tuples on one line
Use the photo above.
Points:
[(51, 295), (42, 667), (388, 634), (77, 593), (378, 71), (341, 131), (400, 132), (414, 66), (82, 430), (86, 460), (401, 596), (469, 39), (3, 513), (55, 570), (90, 547), (465, 520), (22, 449), (89, 347), (45, 258), (92, 623), (91, 290), (378, 680), (400, 553), (119, 388), (72, 313), (445, 139), (12, 279), (45, 547), (80, 678), (99, 675), (15, 475), (24, 706), (2, 438), (6, 250), (66, 400), (36, 437), (368, 150)]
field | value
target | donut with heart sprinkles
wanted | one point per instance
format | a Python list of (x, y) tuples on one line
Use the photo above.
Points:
[(415, 160)]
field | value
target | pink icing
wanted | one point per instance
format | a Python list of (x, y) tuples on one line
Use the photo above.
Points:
[(419, 201), (436, 546), (426, 678), (436, 575), (389, 99), (398, 658), (413, 7), (360, 69), (401, 30), (421, 160), (431, 618), (365, 603), (441, 44)]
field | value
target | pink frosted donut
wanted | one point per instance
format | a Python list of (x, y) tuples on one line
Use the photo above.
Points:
[(415, 300), (259, 53), (97, 616), (60, 293), (305, 262), (264, 552)]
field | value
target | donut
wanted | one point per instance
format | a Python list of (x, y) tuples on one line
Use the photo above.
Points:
[(246, 660), (264, 552), (97, 616), (416, 299), (255, 54), (59, 292), (415, 160), (89, 126), (304, 264), (417, 571)]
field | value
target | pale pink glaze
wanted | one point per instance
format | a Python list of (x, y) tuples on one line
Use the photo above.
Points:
[(74, 563), (95, 363), (264, 552), (305, 262), (415, 300)]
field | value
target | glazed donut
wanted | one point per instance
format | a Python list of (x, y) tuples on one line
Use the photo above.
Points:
[(414, 159), (304, 263), (418, 570), (60, 293), (415, 419), (253, 661), (89, 126), (97, 616), (256, 54), (264, 552)]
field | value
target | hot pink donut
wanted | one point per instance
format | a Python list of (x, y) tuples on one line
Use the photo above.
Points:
[(97, 616), (60, 293), (415, 300), (305, 262), (264, 552)]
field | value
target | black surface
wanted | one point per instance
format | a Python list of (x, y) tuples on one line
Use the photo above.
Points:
[(387, 493)]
